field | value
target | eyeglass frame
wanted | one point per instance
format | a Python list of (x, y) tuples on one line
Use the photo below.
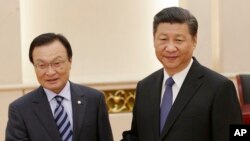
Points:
[(55, 65)]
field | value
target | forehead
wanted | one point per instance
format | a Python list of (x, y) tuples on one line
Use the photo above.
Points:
[(49, 51), (173, 28)]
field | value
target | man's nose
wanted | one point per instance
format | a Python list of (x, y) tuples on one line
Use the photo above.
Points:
[(170, 47), (50, 70)]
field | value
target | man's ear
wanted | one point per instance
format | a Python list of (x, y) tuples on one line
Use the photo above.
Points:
[(70, 60), (195, 40)]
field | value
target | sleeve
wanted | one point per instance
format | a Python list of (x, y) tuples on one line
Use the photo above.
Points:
[(15, 130), (225, 111), (104, 128)]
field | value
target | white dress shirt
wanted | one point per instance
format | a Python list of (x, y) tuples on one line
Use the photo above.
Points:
[(178, 79)]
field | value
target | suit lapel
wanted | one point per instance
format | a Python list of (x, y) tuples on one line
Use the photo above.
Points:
[(155, 94), (43, 111), (78, 108), (189, 87)]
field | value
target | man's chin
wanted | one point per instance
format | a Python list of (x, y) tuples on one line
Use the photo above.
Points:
[(52, 87)]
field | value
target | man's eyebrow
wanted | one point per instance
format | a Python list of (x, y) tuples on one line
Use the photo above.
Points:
[(43, 61)]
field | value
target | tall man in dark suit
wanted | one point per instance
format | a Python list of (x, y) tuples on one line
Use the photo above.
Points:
[(58, 110), (203, 102)]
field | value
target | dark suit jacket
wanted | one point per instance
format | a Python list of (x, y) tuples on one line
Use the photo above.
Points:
[(204, 108), (31, 118)]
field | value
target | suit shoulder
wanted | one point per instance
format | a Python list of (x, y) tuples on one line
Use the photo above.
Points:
[(25, 99), (86, 89), (211, 74), (153, 76)]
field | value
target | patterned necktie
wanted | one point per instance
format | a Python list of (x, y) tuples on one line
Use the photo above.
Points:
[(62, 120), (166, 102)]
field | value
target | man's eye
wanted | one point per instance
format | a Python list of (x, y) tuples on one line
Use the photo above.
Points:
[(41, 65), (179, 40), (56, 64)]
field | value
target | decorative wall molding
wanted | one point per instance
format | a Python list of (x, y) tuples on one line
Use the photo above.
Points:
[(120, 96), (121, 100)]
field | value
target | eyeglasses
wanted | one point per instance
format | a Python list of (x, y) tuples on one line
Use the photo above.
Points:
[(54, 65)]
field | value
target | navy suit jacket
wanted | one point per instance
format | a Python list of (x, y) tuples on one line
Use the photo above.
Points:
[(203, 110), (31, 118)]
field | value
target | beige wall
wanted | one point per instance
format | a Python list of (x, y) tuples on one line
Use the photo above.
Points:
[(235, 29), (10, 55)]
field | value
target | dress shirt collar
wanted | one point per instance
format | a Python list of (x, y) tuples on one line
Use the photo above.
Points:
[(65, 93), (178, 77)]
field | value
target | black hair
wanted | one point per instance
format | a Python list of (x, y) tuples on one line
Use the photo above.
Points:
[(47, 38), (176, 15)]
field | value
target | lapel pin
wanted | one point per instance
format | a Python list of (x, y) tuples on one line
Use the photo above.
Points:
[(79, 102)]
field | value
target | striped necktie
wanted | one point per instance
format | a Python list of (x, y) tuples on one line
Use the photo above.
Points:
[(62, 120), (166, 102)]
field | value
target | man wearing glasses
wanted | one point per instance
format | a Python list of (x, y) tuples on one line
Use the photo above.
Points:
[(58, 110)]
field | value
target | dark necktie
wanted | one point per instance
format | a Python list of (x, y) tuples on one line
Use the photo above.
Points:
[(62, 120), (166, 102)]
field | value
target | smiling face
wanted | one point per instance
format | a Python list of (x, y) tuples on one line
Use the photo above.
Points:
[(52, 65), (174, 46)]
